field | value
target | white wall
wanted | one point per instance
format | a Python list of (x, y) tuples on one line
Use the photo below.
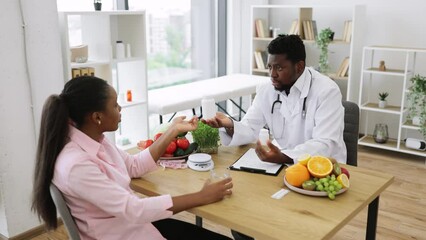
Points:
[(18, 131)]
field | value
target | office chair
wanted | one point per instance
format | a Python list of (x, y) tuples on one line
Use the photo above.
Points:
[(62, 207), (350, 133)]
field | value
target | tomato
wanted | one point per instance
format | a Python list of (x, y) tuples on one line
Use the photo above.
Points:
[(145, 144), (183, 143), (157, 136), (171, 148)]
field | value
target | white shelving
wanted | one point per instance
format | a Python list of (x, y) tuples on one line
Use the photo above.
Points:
[(282, 17), (394, 114), (100, 30)]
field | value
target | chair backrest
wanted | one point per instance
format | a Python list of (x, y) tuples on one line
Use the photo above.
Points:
[(350, 134), (62, 207)]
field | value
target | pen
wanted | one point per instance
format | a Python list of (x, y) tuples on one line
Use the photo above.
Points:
[(252, 170)]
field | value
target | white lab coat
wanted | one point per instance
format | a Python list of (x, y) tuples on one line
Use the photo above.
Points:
[(320, 133)]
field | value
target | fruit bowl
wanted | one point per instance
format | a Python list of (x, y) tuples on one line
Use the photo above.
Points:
[(311, 193), (175, 158)]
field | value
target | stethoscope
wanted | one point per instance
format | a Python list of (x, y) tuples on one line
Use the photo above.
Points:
[(304, 100)]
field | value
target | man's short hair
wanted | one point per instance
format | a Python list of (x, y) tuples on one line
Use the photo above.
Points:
[(290, 45)]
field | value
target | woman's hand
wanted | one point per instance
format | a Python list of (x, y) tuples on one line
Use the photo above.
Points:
[(213, 192), (210, 193), (220, 120), (181, 126)]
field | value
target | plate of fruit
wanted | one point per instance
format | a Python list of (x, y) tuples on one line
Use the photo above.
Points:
[(317, 176), (179, 148)]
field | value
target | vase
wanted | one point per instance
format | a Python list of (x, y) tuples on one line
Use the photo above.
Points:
[(332, 36), (416, 120), (98, 6), (383, 104), (380, 134)]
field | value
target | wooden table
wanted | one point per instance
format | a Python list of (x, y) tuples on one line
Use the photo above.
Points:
[(252, 211)]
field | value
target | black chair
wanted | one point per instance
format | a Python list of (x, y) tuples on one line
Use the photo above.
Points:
[(62, 207), (350, 133)]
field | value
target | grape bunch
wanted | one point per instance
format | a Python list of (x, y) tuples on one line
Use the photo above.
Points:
[(327, 184)]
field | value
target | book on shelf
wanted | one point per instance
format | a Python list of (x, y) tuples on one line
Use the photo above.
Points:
[(260, 29), (258, 59), (305, 30), (309, 29), (314, 29), (294, 29), (347, 31), (343, 69)]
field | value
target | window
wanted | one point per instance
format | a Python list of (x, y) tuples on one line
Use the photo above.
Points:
[(180, 38)]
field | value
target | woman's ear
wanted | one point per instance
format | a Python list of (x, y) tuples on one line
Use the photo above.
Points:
[(96, 117)]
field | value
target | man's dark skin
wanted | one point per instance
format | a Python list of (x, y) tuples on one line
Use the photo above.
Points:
[(284, 74)]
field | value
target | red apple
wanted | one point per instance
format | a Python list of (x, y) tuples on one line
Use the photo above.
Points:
[(345, 171)]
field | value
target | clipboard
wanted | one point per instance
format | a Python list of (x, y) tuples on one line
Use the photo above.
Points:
[(250, 162)]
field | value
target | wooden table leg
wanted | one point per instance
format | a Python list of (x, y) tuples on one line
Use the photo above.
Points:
[(373, 209), (198, 221)]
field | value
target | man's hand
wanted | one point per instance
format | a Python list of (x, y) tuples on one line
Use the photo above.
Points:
[(274, 155), (220, 120)]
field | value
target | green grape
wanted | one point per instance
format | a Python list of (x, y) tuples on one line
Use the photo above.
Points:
[(339, 185), (333, 192), (331, 196), (336, 183), (326, 188), (320, 187), (315, 179), (328, 177), (317, 183), (323, 180), (326, 184), (331, 188)]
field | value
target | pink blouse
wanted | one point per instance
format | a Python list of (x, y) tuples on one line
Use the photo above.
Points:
[(94, 179)]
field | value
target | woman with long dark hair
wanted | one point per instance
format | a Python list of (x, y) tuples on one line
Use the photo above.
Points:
[(94, 175)]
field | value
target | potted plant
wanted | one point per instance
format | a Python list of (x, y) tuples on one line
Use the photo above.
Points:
[(206, 137), (417, 102), (323, 40), (97, 4), (382, 99)]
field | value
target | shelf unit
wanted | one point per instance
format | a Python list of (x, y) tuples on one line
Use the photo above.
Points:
[(282, 17), (100, 30), (397, 83)]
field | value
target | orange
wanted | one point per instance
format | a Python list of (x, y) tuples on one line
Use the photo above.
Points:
[(304, 159), (344, 180), (297, 174), (319, 166)]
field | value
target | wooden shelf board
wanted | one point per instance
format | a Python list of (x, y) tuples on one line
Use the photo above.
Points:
[(115, 12), (131, 104), (131, 59), (391, 144), (336, 41), (375, 107), (89, 63), (409, 125), (396, 72), (368, 140), (394, 48), (260, 70), (262, 39), (335, 77)]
